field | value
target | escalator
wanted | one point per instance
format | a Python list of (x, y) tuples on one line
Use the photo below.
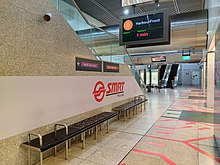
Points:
[(162, 70), (166, 74), (172, 76)]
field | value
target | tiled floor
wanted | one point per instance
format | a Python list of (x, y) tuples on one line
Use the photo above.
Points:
[(156, 136)]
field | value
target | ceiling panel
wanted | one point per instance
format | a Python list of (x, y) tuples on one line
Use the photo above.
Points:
[(109, 11)]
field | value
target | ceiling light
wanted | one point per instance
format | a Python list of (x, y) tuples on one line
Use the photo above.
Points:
[(126, 11), (157, 4)]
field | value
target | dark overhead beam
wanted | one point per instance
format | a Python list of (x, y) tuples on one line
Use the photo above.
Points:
[(176, 6), (114, 16)]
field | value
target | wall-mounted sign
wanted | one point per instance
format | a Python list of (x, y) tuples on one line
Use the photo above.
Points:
[(83, 64), (158, 59), (145, 29), (185, 58), (185, 52), (110, 67)]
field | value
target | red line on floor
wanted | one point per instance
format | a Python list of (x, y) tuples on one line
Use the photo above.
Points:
[(174, 128), (187, 142), (165, 133), (203, 152), (204, 128), (155, 137), (167, 120), (156, 144), (211, 125), (190, 123), (155, 154), (198, 139)]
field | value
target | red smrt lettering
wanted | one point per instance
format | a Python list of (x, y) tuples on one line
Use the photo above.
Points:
[(115, 87)]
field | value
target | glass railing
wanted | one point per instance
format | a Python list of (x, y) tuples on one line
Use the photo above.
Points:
[(104, 45)]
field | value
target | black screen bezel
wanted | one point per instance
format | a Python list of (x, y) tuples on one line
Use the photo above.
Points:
[(158, 41)]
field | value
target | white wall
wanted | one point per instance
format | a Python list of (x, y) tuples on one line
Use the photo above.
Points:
[(186, 73), (214, 23), (214, 18), (32, 102)]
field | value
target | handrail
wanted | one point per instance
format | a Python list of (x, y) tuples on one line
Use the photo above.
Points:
[(61, 125), (36, 135), (134, 67)]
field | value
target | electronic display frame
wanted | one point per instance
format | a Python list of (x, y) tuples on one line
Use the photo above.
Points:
[(165, 39)]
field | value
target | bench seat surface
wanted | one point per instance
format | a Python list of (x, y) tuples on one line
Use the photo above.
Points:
[(49, 140)]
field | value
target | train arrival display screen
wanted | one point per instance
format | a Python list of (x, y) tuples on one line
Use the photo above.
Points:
[(145, 29)]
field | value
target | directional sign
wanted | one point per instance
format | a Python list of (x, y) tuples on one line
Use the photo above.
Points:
[(83, 64)]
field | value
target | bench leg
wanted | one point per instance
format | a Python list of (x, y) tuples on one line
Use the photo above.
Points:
[(96, 131), (90, 132), (41, 158), (107, 126), (70, 143), (100, 127), (124, 115), (83, 140), (66, 150), (55, 151), (29, 157)]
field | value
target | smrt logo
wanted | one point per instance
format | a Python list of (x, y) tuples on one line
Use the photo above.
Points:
[(128, 25), (113, 88)]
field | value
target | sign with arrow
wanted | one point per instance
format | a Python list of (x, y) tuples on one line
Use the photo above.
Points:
[(83, 64)]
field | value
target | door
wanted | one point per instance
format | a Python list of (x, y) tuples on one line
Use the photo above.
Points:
[(195, 77)]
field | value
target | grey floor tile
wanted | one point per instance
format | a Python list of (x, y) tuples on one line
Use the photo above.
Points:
[(140, 159), (107, 156)]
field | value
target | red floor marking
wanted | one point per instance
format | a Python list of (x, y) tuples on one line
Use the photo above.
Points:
[(203, 152), (165, 133), (211, 125), (174, 128), (155, 137), (155, 154), (198, 139), (156, 144), (204, 128), (187, 142), (190, 123), (122, 164), (167, 120)]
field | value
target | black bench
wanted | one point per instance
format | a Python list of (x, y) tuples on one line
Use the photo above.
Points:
[(130, 106), (65, 134)]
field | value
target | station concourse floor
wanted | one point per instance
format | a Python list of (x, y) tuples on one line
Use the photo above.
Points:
[(171, 130)]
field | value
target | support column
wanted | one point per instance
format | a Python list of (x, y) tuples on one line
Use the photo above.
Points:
[(204, 78), (210, 79)]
